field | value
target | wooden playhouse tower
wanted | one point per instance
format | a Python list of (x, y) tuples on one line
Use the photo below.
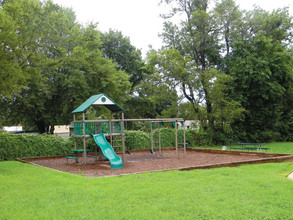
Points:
[(109, 127)]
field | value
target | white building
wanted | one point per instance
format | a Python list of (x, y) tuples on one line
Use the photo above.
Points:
[(61, 130), (189, 124), (13, 128)]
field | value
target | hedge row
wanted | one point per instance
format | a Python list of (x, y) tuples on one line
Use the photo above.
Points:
[(142, 140), (19, 146)]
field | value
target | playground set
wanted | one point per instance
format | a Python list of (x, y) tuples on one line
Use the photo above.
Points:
[(103, 132)]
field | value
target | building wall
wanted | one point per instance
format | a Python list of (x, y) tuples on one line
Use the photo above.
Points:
[(13, 128), (189, 124), (61, 130)]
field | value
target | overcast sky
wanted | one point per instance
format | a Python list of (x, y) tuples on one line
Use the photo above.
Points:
[(139, 19)]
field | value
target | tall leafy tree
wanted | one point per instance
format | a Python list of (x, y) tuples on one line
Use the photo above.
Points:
[(17, 49), (261, 70), (195, 42), (229, 16), (153, 89), (192, 56), (118, 48), (285, 125), (67, 64), (261, 67)]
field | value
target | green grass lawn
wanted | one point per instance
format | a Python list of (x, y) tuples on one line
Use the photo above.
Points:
[(281, 147), (246, 192), (277, 147)]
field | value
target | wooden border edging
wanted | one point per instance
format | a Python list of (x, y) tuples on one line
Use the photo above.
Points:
[(212, 151), (288, 158)]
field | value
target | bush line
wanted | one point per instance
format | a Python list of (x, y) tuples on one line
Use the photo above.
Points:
[(14, 146)]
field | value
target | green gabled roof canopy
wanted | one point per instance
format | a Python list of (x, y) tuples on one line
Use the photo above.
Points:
[(101, 99)]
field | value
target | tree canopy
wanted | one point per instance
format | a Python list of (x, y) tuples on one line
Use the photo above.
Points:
[(261, 67), (191, 59), (60, 63), (128, 58), (234, 67), (226, 68)]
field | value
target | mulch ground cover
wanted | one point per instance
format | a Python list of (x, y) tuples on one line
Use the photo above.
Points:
[(144, 161)]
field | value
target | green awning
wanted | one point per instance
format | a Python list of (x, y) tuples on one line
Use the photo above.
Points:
[(102, 100)]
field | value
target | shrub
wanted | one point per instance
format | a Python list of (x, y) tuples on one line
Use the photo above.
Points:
[(137, 140), (17, 146), (142, 140)]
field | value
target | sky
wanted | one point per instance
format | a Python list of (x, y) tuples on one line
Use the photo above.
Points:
[(140, 19)]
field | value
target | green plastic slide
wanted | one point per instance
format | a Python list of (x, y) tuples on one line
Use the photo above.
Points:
[(108, 151)]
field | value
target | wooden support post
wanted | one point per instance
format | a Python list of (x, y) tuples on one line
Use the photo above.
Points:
[(184, 139), (74, 132), (176, 139), (84, 141), (122, 136), (152, 141), (159, 131), (111, 124), (110, 131)]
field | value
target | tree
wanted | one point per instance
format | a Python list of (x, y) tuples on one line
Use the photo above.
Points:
[(68, 66), (140, 107), (285, 125), (152, 98), (229, 16), (118, 48), (158, 92), (192, 53), (261, 67), (16, 49)]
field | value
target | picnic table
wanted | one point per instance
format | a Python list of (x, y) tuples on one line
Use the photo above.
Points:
[(250, 146)]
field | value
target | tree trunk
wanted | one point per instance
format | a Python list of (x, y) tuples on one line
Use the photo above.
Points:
[(209, 115), (41, 127), (210, 119), (52, 128)]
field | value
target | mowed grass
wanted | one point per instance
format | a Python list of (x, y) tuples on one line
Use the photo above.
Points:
[(276, 147), (280, 147), (246, 192)]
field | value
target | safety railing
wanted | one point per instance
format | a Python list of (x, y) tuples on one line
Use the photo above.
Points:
[(97, 127)]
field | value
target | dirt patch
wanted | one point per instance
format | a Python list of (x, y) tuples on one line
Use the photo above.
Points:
[(144, 161)]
